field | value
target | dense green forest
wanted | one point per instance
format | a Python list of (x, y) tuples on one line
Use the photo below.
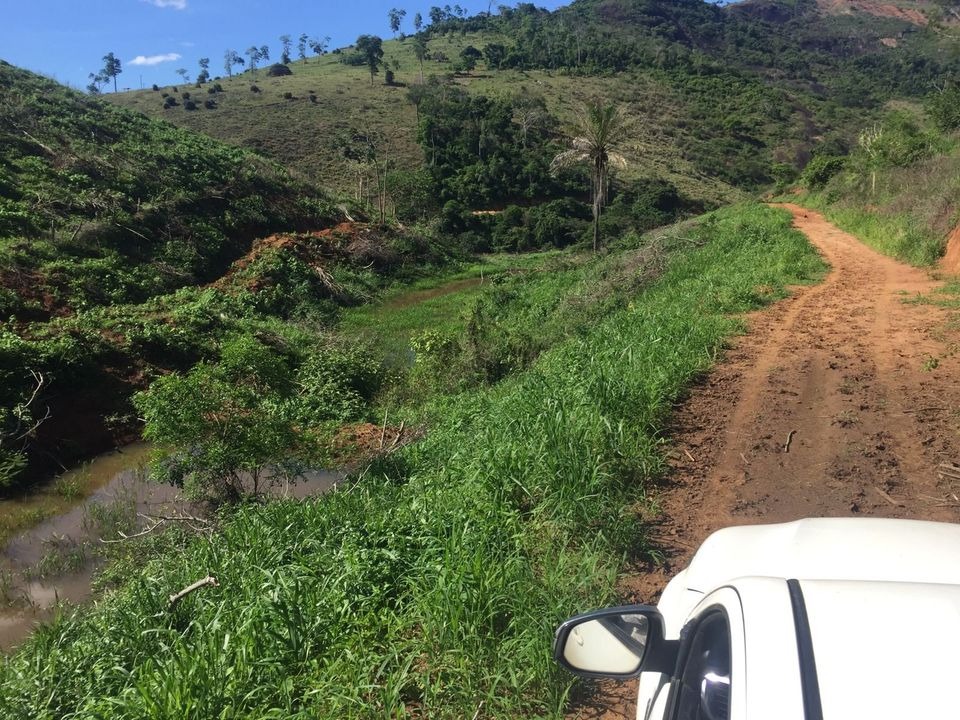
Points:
[(252, 271)]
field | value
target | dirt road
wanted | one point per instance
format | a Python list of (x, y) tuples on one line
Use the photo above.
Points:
[(842, 400)]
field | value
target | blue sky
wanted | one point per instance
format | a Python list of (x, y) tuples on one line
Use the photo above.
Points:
[(67, 39)]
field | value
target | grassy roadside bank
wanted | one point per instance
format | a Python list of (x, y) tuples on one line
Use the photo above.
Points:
[(895, 233), (432, 584)]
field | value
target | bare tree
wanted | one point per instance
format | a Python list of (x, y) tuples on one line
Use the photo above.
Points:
[(231, 58), (18, 426)]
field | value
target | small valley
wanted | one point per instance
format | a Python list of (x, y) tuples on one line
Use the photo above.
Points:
[(330, 383)]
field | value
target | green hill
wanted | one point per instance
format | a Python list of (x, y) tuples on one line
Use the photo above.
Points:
[(722, 98), (112, 227), (102, 206), (150, 271)]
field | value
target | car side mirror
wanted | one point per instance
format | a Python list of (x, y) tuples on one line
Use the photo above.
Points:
[(618, 643)]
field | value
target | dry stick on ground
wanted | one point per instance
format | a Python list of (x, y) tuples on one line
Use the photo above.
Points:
[(786, 445), (383, 432), (887, 497), (689, 455), (949, 470), (177, 597), (160, 520), (399, 435), (76, 232)]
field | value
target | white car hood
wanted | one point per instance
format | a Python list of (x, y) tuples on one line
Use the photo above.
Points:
[(867, 549)]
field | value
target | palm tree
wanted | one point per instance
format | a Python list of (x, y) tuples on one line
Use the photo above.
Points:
[(601, 128)]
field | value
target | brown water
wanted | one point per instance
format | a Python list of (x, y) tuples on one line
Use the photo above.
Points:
[(54, 561)]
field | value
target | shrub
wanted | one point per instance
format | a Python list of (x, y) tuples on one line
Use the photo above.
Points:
[(170, 102), (156, 88), (288, 96), (944, 108), (254, 89), (210, 104), (185, 96), (388, 77), (278, 70), (220, 423), (189, 105), (820, 169)]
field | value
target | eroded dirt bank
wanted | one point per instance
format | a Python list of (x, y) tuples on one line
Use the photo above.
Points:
[(842, 400)]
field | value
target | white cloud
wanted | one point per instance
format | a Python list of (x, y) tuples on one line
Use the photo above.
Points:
[(155, 59), (175, 4)]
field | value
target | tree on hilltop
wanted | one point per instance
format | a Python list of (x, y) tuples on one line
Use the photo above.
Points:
[(97, 80), (420, 51), (370, 48), (231, 58), (253, 52), (204, 74), (285, 43), (395, 16), (418, 22), (302, 46), (182, 72), (319, 46), (602, 127), (111, 68), (264, 52)]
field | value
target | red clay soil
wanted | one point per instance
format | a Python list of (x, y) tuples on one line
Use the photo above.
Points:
[(360, 243), (841, 400), (950, 262), (872, 7)]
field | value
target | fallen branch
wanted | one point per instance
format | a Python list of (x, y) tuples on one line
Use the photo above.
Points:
[(135, 232), (177, 597), (685, 452), (786, 445), (923, 409), (124, 537), (948, 469), (160, 520), (940, 502)]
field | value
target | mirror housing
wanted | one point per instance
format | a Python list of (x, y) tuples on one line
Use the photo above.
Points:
[(617, 643)]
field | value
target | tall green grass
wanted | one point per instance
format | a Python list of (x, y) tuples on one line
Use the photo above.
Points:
[(898, 235), (430, 585)]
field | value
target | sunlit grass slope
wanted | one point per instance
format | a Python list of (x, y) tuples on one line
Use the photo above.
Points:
[(308, 134)]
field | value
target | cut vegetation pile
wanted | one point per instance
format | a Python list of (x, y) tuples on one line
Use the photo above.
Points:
[(430, 585)]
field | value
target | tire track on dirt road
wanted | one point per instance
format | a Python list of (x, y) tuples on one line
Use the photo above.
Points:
[(841, 400)]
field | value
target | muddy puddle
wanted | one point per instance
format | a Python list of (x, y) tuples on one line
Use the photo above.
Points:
[(54, 561)]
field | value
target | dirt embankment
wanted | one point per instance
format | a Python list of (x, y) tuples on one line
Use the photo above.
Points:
[(950, 263), (874, 7), (841, 401)]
